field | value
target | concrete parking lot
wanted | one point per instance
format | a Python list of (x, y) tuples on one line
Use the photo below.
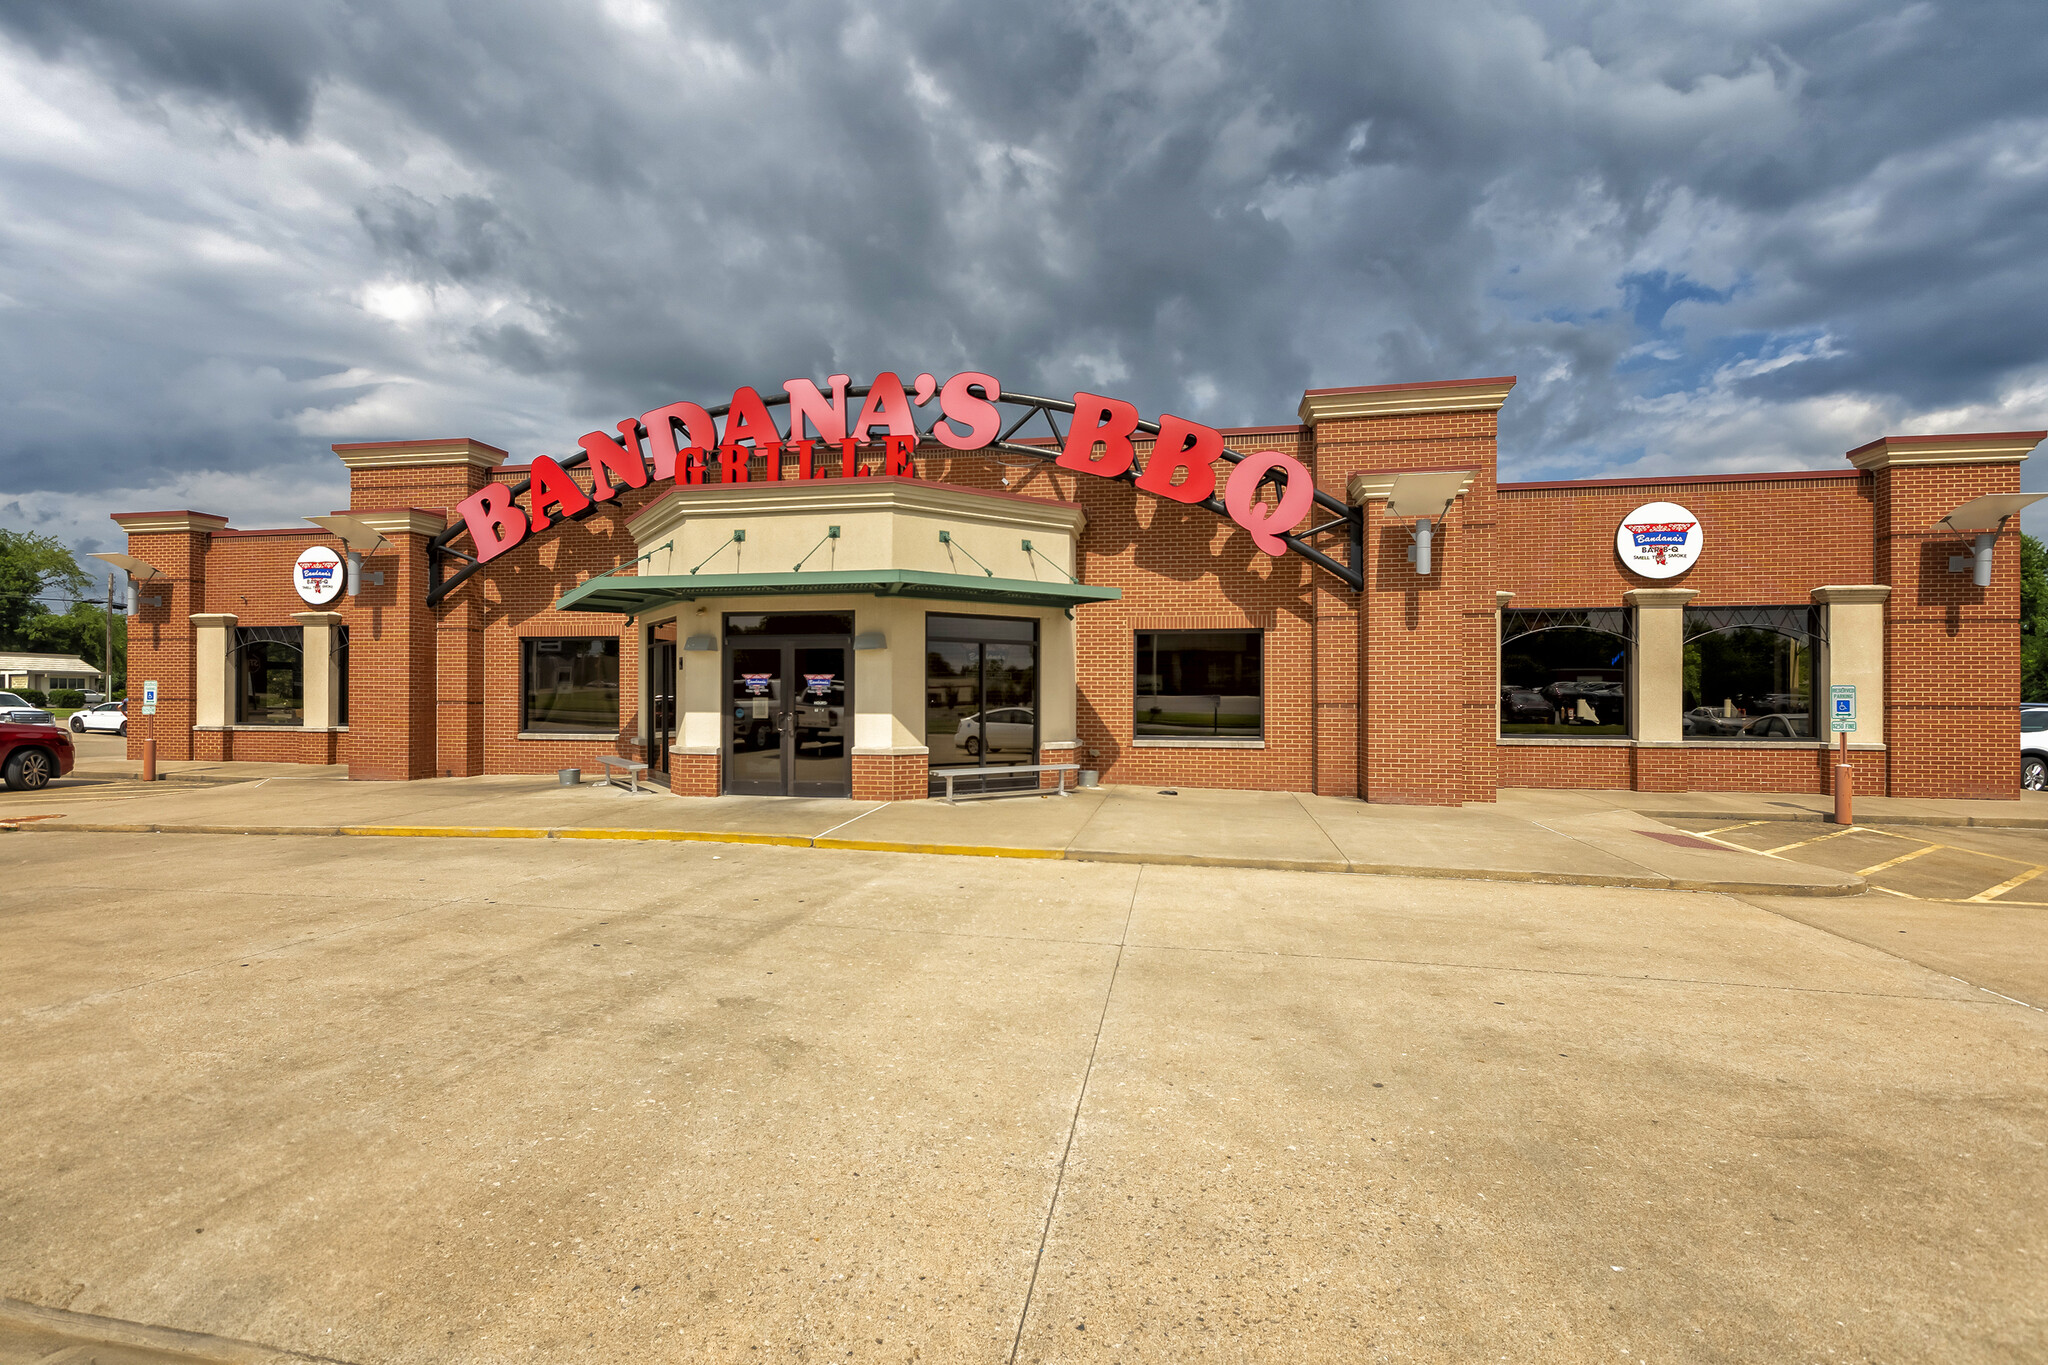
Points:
[(405, 1100)]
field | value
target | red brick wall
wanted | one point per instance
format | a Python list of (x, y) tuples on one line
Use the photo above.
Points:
[(160, 643), (890, 777)]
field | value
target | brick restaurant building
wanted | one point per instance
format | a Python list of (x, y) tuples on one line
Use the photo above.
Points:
[(771, 618)]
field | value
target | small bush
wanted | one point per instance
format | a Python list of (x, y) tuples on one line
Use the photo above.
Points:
[(69, 697), (34, 696)]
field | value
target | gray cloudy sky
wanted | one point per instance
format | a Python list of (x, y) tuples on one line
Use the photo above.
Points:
[(1709, 235)]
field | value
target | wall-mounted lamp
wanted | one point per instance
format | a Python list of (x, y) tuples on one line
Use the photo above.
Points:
[(1984, 517), (872, 639), (361, 538), (138, 571), (1426, 497)]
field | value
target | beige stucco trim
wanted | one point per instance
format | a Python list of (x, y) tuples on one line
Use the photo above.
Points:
[(2004, 447), (883, 524), (407, 454), (213, 700), (322, 668), (403, 521), (1396, 400), (1377, 484), (1656, 687), (167, 523), (1855, 652)]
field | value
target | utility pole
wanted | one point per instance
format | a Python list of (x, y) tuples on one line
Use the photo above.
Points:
[(107, 659)]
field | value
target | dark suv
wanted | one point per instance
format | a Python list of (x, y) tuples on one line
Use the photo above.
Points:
[(31, 755)]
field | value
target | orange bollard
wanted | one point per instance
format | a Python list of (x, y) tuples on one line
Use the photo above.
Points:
[(1845, 787), (149, 760)]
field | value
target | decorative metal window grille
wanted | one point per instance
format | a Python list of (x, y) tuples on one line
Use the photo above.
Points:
[(1616, 621), (1798, 623), (291, 637)]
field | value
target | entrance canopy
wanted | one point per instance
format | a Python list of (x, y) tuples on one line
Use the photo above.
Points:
[(882, 537), (633, 596)]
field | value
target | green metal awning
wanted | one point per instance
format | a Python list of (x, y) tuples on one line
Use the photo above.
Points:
[(632, 596)]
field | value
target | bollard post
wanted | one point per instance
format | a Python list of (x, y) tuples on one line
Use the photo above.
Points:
[(1845, 787), (149, 760)]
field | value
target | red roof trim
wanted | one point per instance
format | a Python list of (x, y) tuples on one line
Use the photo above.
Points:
[(1666, 479), (1426, 384), (1959, 436), (313, 533), (414, 445)]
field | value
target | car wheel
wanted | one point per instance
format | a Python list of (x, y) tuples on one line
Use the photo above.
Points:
[(123, 731), (971, 746), (77, 726), (30, 770), (2034, 773)]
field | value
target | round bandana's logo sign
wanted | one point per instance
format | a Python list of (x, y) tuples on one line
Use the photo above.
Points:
[(1658, 540), (318, 575)]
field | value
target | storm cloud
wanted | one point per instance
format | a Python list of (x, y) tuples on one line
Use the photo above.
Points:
[(1707, 236)]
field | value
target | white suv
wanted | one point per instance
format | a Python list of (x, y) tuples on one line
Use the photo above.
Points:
[(2034, 746)]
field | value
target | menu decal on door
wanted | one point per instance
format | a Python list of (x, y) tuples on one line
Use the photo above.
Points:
[(819, 684)]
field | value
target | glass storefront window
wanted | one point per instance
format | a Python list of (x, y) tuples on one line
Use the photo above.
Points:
[(1199, 684), (1564, 673), (571, 685), (981, 696), (1749, 673), (270, 675)]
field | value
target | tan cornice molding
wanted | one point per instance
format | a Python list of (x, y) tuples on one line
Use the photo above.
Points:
[(414, 454), (318, 618), (224, 619), (1985, 447), (401, 521), (1398, 400), (1659, 597), (1501, 600), (1373, 485), (168, 523), (1852, 593)]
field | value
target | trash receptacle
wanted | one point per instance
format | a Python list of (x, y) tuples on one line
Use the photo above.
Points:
[(569, 777), (1089, 777)]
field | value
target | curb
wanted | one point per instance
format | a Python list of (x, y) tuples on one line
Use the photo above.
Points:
[(1645, 882)]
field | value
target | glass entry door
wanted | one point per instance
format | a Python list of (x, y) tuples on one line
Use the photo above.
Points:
[(661, 680), (788, 716), (981, 700)]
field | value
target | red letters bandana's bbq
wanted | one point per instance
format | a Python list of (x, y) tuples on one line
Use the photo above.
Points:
[(685, 445)]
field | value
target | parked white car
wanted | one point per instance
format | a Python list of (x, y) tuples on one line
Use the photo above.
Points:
[(16, 710), (2034, 747), (1011, 728), (108, 719)]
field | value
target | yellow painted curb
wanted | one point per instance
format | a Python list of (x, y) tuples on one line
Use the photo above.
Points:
[(954, 850), (442, 832), (693, 836)]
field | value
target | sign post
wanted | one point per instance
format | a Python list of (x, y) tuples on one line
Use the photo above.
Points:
[(1842, 720)]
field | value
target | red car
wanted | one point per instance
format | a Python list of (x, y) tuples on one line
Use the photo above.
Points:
[(31, 755)]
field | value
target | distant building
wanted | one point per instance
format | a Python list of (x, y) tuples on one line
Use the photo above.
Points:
[(46, 671)]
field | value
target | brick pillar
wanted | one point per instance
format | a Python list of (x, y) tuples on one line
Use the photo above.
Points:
[(1427, 647), (1951, 650), (160, 636)]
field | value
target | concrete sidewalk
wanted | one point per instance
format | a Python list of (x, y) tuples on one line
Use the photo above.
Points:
[(1563, 841)]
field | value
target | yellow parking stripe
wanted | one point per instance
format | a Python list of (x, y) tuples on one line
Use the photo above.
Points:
[(1725, 828), (1818, 838), (2009, 884), (1920, 852)]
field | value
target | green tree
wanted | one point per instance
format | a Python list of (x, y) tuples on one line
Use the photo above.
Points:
[(31, 566), (2033, 620)]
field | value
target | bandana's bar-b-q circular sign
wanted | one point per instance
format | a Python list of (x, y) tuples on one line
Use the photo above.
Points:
[(684, 444), (1658, 540), (318, 576)]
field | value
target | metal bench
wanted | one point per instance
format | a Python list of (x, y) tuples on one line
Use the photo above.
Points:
[(1005, 770), (633, 769)]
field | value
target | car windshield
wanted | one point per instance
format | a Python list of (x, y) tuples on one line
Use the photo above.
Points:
[(9, 699)]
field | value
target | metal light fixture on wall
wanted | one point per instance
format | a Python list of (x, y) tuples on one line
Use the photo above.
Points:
[(1426, 497), (1984, 517), (361, 538), (138, 571)]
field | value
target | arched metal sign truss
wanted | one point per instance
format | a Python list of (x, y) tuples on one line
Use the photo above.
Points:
[(1333, 541)]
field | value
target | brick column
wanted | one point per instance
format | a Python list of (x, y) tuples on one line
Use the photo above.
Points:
[(1427, 647), (416, 673), (1951, 651), (160, 636)]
